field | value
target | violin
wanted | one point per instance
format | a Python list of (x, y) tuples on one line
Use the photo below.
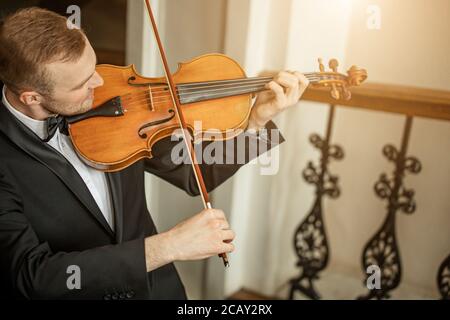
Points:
[(131, 113)]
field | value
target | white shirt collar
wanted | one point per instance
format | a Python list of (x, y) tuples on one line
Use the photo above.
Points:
[(37, 126)]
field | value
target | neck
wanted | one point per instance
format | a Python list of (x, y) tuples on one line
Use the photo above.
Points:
[(201, 91), (36, 112)]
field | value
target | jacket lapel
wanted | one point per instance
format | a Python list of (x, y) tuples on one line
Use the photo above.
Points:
[(30, 143), (115, 187)]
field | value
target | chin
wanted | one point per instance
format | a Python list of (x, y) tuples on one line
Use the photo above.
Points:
[(86, 106)]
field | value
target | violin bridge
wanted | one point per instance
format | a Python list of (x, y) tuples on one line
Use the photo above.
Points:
[(152, 105)]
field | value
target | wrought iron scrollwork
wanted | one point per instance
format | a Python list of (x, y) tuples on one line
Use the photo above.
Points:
[(443, 279), (310, 240), (382, 250)]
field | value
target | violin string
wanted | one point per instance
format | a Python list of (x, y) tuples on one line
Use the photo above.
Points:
[(193, 87), (190, 96), (160, 96), (155, 93), (160, 100), (222, 83), (164, 98), (183, 93), (164, 101), (146, 103), (144, 96), (236, 81), (208, 83)]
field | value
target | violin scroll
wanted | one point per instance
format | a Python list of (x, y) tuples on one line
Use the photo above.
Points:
[(338, 82)]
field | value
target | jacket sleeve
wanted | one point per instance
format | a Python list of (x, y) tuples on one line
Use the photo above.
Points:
[(219, 160), (30, 269)]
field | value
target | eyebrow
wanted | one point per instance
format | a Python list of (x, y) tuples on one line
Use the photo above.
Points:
[(82, 83)]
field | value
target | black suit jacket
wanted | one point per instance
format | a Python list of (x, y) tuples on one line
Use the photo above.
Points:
[(49, 221)]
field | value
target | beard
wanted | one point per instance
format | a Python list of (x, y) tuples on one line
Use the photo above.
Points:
[(66, 109)]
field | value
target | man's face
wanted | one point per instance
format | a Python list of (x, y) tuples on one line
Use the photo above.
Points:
[(73, 84)]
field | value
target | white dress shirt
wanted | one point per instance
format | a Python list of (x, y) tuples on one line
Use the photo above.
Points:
[(94, 179)]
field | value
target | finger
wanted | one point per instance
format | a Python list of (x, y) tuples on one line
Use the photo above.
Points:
[(219, 224), (291, 83), (216, 213), (227, 247), (292, 87), (224, 225), (287, 80), (304, 82), (278, 91), (228, 235)]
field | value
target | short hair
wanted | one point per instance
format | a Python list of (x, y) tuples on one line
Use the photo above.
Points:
[(31, 38)]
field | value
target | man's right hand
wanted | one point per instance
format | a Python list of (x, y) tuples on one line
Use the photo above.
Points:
[(204, 235)]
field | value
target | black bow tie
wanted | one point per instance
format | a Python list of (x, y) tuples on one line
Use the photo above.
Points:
[(54, 123)]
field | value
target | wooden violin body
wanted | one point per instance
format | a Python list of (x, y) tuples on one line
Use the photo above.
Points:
[(112, 143)]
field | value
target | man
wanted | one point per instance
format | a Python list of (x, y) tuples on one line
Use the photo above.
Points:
[(59, 216)]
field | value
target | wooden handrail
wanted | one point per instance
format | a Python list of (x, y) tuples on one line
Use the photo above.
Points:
[(412, 101)]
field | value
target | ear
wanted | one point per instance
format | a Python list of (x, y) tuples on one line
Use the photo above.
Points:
[(30, 98)]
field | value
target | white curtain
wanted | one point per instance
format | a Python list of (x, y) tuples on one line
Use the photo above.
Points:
[(265, 210)]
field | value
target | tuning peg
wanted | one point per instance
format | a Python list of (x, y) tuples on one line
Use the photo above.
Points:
[(347, 94), (335, 92), (321, 66), (333, 64)]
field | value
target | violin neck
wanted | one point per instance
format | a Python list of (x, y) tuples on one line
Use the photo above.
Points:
[(202, 91)]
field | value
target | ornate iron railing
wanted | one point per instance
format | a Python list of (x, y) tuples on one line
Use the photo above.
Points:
[(382, 249)]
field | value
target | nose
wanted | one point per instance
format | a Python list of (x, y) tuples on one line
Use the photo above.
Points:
[(97, 80)]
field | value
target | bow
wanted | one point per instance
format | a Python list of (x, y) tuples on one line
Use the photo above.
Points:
[(56, 123)]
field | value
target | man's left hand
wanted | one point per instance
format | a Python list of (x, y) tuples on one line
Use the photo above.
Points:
[(284, 90)]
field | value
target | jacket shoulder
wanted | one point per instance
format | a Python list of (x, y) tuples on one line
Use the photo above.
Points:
[(9, 151)]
